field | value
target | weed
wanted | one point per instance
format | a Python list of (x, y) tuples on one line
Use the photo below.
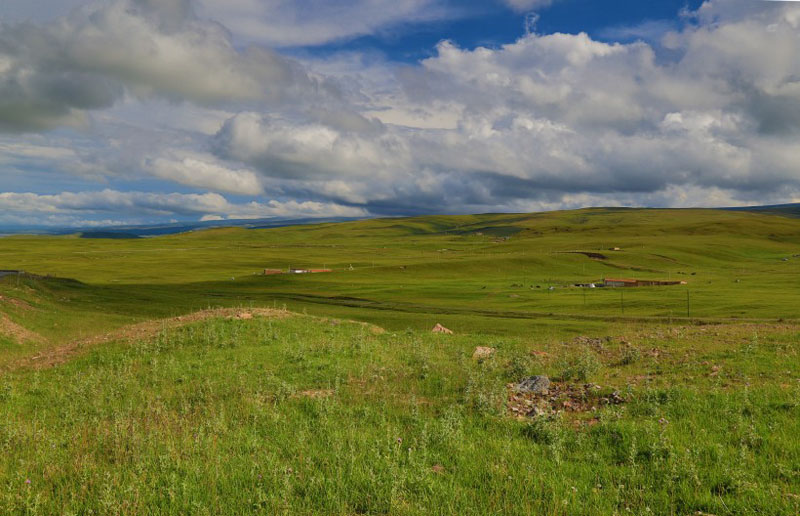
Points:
[(630, 355), (519, 366), (579, 367)]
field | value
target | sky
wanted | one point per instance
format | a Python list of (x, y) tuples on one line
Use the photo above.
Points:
[(147, 111)]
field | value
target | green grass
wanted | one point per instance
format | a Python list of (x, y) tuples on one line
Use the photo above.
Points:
[(405, 269), (211, 419), (309, 415)]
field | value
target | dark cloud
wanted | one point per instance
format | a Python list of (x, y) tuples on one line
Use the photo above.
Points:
[(708, 115)]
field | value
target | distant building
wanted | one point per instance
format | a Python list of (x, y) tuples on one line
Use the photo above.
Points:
[(629, 282), (620, 282), (269, 272), (4, 273), (308, 271)]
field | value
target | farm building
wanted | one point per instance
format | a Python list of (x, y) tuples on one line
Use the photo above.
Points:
[(270, 272), (4, 273), (308, 271), (628, 282)]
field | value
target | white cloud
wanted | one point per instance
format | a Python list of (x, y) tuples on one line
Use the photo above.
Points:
[(555, 117), (51, 75), (204, 171), (527, 5), (708, 115), (198, 206), (282, 23)]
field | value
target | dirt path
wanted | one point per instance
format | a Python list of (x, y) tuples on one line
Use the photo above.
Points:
[(17, 332), (148, 329)]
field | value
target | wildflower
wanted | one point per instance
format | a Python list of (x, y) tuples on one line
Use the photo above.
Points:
[(28, 481), (663, 421)]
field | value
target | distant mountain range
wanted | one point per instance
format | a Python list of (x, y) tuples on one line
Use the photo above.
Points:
[(142, 231), (122, 232), (788, 210)]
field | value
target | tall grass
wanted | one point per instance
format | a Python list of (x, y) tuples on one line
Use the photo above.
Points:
[(305, 416)]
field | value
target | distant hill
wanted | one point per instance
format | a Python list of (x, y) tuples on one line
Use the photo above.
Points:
[(788, 210), (114, 235), (422, 225), (150, 230)]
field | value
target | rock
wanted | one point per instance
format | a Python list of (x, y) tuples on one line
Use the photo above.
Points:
[(483, 352), (538, 384), (441, 329)]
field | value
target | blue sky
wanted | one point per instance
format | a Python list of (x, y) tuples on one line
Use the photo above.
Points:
[(492, 24), (140, 111)]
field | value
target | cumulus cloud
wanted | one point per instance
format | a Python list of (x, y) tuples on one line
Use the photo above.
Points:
[(203, 171), (194, 206), (51, 75), (283, 23), (708, 114), (551, 117)]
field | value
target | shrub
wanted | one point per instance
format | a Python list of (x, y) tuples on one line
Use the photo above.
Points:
[(630, 355), (543, 430), (518, 367), (580, 367)]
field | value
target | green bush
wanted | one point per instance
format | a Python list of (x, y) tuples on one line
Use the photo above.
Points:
[(580, 367)]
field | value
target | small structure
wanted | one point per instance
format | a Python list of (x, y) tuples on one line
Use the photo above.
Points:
[(620, 282), (308, 271), (270, 272), (4, 273), (629, 282)]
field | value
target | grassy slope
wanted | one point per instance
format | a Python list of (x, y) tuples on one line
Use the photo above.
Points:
[(301, 416), (211, 418), (407, 268)]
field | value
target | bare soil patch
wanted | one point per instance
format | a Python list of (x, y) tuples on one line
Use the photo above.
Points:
[(17, 332), (16, 303), (560, 397), (144, 330)]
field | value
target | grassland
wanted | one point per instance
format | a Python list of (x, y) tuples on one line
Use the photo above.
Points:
[(113, 401)]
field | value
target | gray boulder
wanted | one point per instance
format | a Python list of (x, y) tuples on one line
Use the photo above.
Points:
[(538, 384)]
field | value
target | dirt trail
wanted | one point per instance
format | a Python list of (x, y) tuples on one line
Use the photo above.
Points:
[(148, 329), (17, 332)]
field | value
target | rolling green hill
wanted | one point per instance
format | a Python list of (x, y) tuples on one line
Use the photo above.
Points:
[(408, 271), (169, 375)]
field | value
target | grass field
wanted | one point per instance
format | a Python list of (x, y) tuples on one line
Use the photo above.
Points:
[(328, 394)]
